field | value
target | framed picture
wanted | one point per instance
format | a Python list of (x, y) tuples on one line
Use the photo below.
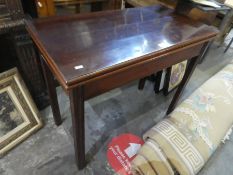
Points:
[(174, 76), (19, 117)]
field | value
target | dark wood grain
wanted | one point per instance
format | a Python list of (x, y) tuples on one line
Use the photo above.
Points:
[(78, 124), (191, 67), (106, 41), (18, 51), (11, 15), (114, 48), (123, 76), (189, 71), (29, 62), (51, 87)]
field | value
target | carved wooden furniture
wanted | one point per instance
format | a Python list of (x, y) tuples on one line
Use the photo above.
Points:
[(101, 51), (11, 15), (12, 24)]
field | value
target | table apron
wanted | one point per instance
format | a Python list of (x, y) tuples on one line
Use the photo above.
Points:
[(123, 76)]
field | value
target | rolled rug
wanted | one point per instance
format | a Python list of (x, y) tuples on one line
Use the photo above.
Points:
[(151, 160), (192, 132)]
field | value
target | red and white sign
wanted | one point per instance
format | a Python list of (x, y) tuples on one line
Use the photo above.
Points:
[(121, 151)]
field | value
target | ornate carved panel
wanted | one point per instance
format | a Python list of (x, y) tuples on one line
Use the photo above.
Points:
[(12, 24)]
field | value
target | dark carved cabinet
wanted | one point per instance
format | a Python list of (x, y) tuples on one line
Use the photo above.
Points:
[(11, 14), (17, 49)]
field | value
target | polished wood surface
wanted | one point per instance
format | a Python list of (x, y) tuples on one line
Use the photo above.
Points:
[(78, 124), (111, 49), (106, 41)]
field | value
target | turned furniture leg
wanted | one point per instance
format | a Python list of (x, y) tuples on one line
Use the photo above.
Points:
[(141, 83), (78, 124), (50, 83)]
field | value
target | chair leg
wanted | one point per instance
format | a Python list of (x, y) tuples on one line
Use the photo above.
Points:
[(141, 83), (228, 46)]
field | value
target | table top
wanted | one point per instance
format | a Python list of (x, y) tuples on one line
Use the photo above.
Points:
[(81, 47)]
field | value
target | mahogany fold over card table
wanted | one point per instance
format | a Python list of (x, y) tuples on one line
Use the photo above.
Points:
[(90, 54)]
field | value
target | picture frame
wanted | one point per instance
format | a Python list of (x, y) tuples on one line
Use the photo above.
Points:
[(174, 76), (19, 116)]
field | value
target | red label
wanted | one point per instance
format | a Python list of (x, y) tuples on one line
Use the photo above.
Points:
[(121, 151)]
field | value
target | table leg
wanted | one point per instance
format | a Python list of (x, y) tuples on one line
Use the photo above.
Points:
[(205, 50), (228, 46), (191, 67), (51, 87), (78, 123), (189, 71)]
